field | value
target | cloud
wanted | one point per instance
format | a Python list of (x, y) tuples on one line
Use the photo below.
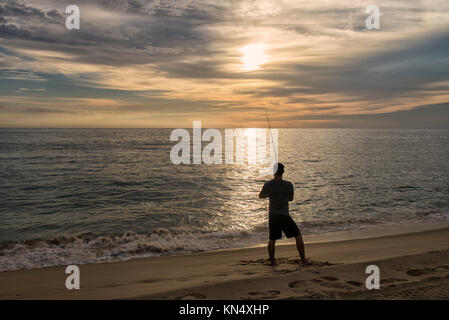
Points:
[(31, 110), (421, 117), (32, 89), (184, 56), (24, 75)]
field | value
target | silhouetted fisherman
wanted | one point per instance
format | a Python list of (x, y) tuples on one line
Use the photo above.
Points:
[(280, 192)]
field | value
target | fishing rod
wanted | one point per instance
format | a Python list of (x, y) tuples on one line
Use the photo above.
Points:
[(272, 140)]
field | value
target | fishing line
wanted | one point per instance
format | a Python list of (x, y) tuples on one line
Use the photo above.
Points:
[(272, 140)]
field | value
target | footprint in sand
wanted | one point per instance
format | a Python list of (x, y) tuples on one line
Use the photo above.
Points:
[(283, 271), (421, 272), (263, 294), (355, 283), (191, 296), (392, 280), (330, 278), (442, 268), (332, 282), (416, 272), (280, 261), (437, 278), (254, 262), (297, 284)]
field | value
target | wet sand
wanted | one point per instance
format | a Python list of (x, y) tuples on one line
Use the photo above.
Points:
[(412, 266)]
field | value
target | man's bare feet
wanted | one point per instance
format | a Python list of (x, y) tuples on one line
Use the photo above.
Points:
[(304, 262)]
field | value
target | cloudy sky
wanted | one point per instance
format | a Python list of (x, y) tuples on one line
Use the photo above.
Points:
[(165, 63)]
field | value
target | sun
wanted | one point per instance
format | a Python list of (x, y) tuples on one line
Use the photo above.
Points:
[(253, 56)]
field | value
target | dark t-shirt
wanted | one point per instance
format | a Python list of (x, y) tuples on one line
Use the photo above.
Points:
[(279, 192)]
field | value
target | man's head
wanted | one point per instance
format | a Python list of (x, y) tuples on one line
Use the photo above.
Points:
[(279, 169)]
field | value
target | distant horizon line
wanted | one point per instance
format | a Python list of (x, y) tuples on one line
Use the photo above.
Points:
[(355, 128)]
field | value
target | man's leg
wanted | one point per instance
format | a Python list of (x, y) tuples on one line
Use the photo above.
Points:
[(300, 247), (291, 230), (271, 250)]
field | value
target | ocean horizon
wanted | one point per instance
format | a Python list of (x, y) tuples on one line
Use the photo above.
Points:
[(73, 196)]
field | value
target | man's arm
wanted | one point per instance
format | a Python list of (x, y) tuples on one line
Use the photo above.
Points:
[(292, 193), (264, 192)]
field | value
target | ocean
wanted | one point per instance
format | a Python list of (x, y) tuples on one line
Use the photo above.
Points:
[(72, 196)]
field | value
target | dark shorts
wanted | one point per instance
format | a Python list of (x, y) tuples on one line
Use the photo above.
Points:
[(278, 223)]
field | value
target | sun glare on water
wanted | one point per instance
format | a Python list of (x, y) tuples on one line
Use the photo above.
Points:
[(253, 56)]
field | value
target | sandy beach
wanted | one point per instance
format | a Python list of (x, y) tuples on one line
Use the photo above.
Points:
[(206, 150), (412, 266)]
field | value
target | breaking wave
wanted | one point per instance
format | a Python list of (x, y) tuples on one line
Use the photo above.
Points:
[(93, 248)]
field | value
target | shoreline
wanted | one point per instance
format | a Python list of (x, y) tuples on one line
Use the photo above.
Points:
[(171, 277), (372, 231), (376, 231)]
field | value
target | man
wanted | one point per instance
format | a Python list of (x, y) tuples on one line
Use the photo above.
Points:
[(280, 192)]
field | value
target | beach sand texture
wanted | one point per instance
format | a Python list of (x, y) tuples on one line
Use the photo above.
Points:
[(412, 266)]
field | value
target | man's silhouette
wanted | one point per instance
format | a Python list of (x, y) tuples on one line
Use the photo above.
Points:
[(280, 192)]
